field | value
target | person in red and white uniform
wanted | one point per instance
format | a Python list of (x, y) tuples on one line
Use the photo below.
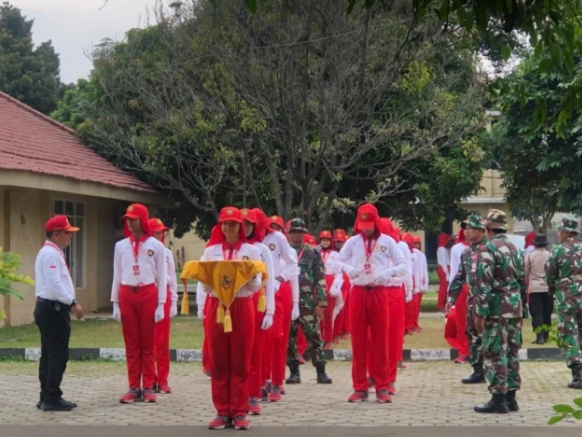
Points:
[(159, 231), (443, 269), (421, 285), (341, 328), (409, 308), (325, 249), (139, 293), (55, 299), (230, 353), (286, 287), (370, 259), (461, 303), (254, 226)]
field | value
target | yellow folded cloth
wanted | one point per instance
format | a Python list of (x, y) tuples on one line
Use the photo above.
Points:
[(226, 278), (185, 308)]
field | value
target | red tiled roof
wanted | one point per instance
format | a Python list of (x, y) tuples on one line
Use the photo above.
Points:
[(31, 141)]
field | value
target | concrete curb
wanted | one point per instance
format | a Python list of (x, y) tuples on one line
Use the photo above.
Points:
[(195, 355)]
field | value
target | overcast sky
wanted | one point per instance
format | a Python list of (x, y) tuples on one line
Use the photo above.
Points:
[(74, 26)]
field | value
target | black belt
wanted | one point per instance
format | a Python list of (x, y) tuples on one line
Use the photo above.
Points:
[(57, 304)]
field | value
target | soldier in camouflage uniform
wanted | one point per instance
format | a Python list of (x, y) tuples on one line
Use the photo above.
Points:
[(312, 303), (564, 279), (464, 277), (499, 283)]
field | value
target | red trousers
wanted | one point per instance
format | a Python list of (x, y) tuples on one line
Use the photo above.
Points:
[(443, 287), (326, 325), (369, 315), (340, 324), (451, 329), (255, 376), (138, 325), (231, 357), (461, 316), (205, 350), (163, 344), (417, 299), (275, 351)]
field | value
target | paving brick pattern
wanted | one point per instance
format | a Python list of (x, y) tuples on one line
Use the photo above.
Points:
[(430, 394)]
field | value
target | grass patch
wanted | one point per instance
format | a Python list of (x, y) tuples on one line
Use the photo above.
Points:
[(433, 278), (187, 333)]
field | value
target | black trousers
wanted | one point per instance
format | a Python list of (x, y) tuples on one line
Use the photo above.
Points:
[(541, 306), (54, 323)]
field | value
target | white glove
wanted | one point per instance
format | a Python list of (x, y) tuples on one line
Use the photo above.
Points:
[(159, 315), (408, 297), (116, 312), (255, 283), (201, 315), (267, 322), (352, 272), (173, 309), (335, 290), (295, 313), (384, 276), (276, 285)]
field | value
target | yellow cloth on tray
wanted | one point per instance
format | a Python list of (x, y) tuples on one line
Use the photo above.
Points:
[(226, 278)]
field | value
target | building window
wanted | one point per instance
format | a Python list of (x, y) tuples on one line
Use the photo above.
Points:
[(75, 253)]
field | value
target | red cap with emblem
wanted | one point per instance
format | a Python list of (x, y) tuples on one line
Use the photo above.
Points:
[(156, 225), (309, 239), (230, 213), (137, 211), (276, 220), (325, 234), (339, 235), (248, 215), (367, 218), (59, 223)]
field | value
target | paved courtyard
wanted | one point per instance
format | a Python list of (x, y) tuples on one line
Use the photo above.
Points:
[(430, 394)]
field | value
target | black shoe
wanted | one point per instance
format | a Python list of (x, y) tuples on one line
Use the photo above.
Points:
[(295, 376), (477, 377), (497, 405), (156, 388), (322, 377), (540, 338), (511, 401), (576, 377), (60, 405)]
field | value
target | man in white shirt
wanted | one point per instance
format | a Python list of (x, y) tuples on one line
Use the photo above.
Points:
[(139, 293), (159, 230), (421, 286), (444, 261), (55, 298), (370, 259)]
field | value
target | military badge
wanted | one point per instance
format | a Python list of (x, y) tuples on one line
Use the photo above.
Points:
[(272, 246), (383, 248), (150, 253)]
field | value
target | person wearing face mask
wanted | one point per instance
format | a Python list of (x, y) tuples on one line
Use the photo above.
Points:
[(264, 304), (139, 293), (370, 259), (230, 352), (162, 340)]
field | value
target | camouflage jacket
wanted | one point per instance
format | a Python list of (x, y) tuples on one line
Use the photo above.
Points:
[(564, 274), (498, 279), (311, 278), (464, 276)]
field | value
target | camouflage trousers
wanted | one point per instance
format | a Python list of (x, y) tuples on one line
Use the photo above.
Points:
[(310, 327), (570, 334), (474, 339), (501, 344)]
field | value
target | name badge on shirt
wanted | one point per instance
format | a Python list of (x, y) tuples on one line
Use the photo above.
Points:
[(136, 270), (368, 269)]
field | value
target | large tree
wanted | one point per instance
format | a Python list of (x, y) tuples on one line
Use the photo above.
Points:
[(299, 109), (28, 74)]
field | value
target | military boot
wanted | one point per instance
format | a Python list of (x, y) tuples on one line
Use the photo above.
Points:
[(540, 338), (477, 376), (576, 376), (295, 376), (322, 377), (511, 401), (497, 404)]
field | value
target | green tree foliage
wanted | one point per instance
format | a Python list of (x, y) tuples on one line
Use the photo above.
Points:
[(298, 109), (28, 74), (9, 265), (536, 144)]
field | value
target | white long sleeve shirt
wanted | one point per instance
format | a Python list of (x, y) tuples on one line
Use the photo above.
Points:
[(294, 280), (406, 279), (444, 260), (171, 276), (270, 284), (215, 253), (150, 266), (423, 271), (456, 252), (52, 278), (384, 259), (279, 246)]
